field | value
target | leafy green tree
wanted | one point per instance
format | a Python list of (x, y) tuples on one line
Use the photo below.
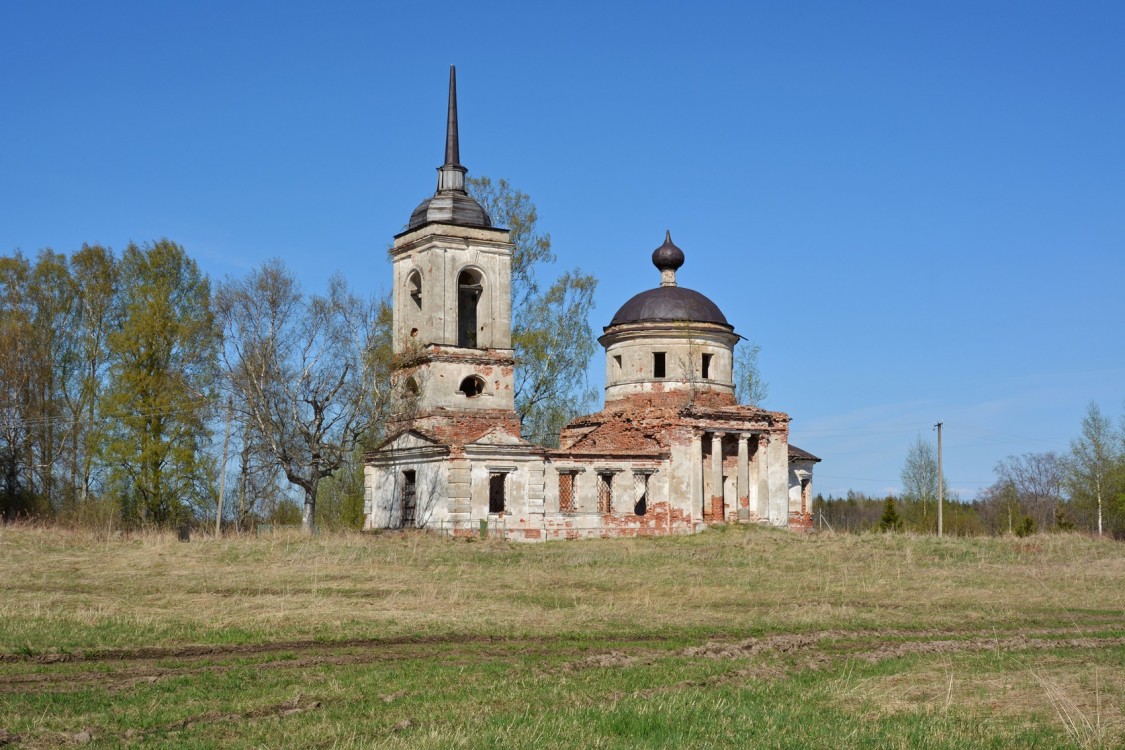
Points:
[(94, 274), (920, 483), (50, 294), (341, 495), (551, 332), (36, 303), (1093, 471), (159, 394), (16, 388), (310, 374)]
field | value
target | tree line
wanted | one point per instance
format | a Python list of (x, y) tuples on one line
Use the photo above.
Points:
[(1082, 489), (124, 379)]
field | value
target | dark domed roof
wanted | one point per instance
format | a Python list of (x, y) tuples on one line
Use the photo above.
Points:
[(449, 207), (671, 303)]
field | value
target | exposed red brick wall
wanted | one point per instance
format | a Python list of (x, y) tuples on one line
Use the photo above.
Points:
[(800, 521)]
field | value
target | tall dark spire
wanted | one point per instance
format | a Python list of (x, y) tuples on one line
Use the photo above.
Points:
[(451, 175), (452, 150), (451, 204)]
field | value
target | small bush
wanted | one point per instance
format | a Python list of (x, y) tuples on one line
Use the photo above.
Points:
[(1026, 527), (890, 520)]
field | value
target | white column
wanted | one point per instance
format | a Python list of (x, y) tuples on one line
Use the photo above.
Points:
[(763, 477), (696, 478), (743, 476), (779, 479), (716, 498)]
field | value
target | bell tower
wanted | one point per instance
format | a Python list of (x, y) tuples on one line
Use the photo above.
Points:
[(452, 309)]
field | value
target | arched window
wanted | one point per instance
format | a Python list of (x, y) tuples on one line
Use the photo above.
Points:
[(414, 285), (472, 386), (468, 296)]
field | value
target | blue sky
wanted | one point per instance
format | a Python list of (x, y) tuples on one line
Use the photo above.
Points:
[(916, 209)]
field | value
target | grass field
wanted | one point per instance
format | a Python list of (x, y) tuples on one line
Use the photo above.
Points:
[(739, 637)]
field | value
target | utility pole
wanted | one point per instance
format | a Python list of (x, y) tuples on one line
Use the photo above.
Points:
[(223, 471), (940, 479)]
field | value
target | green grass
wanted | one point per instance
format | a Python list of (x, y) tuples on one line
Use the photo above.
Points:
[(740, 637)]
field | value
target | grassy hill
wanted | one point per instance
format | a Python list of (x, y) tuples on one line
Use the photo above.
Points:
[(735, 637)]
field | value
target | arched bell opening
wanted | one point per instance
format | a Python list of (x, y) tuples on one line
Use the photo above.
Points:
[(469, 289)]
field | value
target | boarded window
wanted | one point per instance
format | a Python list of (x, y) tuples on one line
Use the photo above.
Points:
[(658, 368), (496, 494), (640, 487), (408, 498), (705, 371), (566, 492), (605, 493)]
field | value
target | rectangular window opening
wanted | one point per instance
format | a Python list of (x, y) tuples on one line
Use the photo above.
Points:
[(566, 493), (605, 493), (496, 494), (640, 487), (706, 370), (658, 369)]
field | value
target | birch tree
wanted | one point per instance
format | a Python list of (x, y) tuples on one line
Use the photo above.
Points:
[(920, 479), (1092, 467)]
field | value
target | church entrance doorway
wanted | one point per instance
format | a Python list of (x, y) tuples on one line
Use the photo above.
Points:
[(408, 498)]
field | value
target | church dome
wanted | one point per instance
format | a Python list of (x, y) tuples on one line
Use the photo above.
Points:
[(669, 302), (450, 207), (672, 303)]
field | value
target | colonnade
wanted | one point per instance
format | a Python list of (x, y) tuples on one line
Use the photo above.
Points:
[(752, 486)]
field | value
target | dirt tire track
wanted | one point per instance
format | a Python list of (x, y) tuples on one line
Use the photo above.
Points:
[(152, 653), (815, 650), (128, 677)]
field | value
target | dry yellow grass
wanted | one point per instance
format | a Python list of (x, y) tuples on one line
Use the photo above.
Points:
[(67, 589)]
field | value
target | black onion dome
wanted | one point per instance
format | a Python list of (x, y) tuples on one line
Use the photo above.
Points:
[(668, 256), (670, 303)]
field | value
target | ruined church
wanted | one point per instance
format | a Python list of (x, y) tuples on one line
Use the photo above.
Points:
[(670, 452)]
